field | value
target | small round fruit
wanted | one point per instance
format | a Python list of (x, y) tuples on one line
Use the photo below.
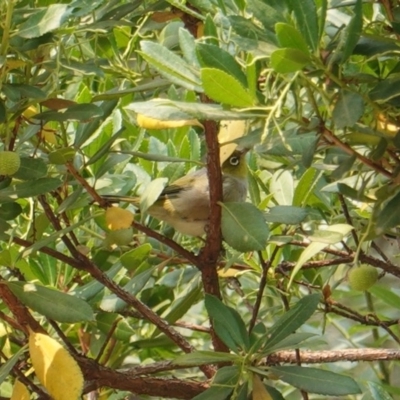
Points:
[(9, 162), (362, 277), (118, 218)]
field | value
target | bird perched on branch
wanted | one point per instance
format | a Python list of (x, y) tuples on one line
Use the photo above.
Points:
[(185, 203)]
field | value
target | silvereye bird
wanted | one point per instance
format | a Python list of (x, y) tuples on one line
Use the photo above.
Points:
[(185, 203)]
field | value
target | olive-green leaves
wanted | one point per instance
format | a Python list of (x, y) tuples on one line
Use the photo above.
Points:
[(243, 226)]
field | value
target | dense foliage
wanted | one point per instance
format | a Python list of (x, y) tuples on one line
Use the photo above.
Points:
[(104, 97)]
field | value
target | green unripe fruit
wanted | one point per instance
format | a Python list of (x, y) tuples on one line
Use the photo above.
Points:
[(120, 237), (9, 162), (362, 277)]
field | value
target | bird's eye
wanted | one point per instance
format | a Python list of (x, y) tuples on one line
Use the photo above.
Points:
[(234, 161)]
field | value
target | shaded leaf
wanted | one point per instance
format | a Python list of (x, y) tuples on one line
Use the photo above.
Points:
[(229, 319), (77, 112), (348, 109), (389, 216), (31, 168), (293, 319), (317, 380), (353, 31)]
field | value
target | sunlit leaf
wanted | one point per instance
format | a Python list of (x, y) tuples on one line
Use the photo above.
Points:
[(225, 88), (20, 391), (44, 20), (55, 368)]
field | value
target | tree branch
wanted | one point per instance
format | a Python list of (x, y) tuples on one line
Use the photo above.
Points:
[(328, 356)]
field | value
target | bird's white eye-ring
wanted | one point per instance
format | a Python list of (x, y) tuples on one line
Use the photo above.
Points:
[(234, 161)]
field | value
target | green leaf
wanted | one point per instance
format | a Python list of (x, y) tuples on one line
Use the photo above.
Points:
[(177, 110), (152, 193), (286, 60), (123, 331), (188, 46), (6, 367), (286, 215), (105, 148), (243, 226), (348, 109), (62, 156), (292, 320), (377, 392), (170, 65), (386, 294), (77, 112), (305, 187), (281, 186), (386, 91), (9, 211), (46, 20), (305, 13), (29, 189), (335, 232), (132, 258), (230, 321), (225, 88), (16, 92), (317, 380), (214, 57), (288, 36), (112, 303), (92, 288), (182, 303), (353, 31), (291, 342), (51, 303), (215, 393), (206, 357), (388, 217), (31, 168)]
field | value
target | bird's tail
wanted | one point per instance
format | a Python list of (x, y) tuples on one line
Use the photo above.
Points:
[(114, 198)]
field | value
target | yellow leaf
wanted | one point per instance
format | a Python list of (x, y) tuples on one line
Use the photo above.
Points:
[(259, 391), (30, 112), (387, 126), (20, 392), (152, 123), (118, 218), (228, 131), (55, 368)]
